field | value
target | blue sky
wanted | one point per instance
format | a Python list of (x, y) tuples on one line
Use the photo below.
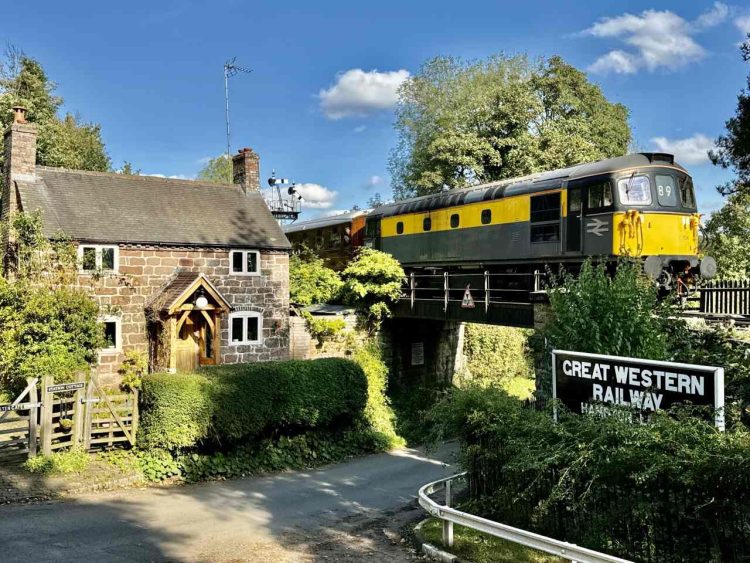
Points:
[(318, 105)]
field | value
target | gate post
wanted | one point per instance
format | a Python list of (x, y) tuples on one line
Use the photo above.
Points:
[(33, 415), (78, 413), (87, 414), (46, 416)]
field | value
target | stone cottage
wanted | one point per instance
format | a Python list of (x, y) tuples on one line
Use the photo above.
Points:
[(189, 272)]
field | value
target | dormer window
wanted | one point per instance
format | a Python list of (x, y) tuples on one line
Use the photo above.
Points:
[(97, 258), (244, 262)]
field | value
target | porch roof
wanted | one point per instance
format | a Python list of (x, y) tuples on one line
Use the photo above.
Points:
[(175, 294)]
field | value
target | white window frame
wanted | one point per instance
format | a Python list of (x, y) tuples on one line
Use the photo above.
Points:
[(118, 334), (244, 271), (98, 249), (245, 315)]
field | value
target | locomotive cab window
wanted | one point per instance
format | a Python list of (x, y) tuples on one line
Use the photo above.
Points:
[(400, 228), (486, 216), (666, 191), (600, 196), (545, 218), (454, 221), (686, 192), (426, 224), (635, 190)]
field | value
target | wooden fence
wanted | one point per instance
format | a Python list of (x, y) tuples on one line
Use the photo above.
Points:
[(730, 297), (81, 413)]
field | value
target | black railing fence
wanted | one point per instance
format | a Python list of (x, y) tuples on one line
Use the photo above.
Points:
[(727, 297)]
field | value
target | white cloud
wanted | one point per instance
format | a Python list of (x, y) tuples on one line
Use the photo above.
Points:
[(657, 39), (359, 128), (332, 212), (713, 17), (172, 177), (743, 24), (204, 160), (359, 93), (690, 150), (315, 196), (374, 181)]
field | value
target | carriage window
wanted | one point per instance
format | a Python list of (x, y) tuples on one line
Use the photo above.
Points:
[(400, 228), (600, 195), (666, 191), (486, 216), (635, 190), (686, 192), (426, 224), (454, 221), (545, 216)]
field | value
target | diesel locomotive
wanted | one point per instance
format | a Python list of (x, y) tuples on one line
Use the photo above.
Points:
[(639, 205)]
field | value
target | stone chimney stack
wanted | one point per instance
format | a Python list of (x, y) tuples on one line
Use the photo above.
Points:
[(20, 158), (246, 170)]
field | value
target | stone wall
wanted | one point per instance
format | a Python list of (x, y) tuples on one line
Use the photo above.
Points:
[(143, 271)]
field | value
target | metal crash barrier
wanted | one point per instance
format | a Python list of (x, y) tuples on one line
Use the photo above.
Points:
[(451, 516)]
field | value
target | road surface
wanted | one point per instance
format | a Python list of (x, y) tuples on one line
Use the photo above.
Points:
[(345, 511)]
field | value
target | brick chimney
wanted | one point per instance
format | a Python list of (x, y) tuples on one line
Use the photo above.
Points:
[(20, 158), (246, 170)]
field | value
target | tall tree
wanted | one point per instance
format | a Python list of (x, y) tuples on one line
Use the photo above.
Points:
[(64, 141), (462, 123), (727, 234), (217, 170), (733, 148)]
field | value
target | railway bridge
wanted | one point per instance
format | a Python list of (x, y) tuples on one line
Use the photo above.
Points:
[(425, 335)]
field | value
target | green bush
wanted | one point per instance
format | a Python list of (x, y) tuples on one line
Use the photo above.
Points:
[(311, 281), (675, 489), (233, 403), (175, 410), (378, 412), (496, 355)]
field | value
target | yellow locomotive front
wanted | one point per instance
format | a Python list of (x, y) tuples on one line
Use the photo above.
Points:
[(656, 218)]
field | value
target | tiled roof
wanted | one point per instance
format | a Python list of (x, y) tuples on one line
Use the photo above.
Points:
[(117, 208), (166, 297)]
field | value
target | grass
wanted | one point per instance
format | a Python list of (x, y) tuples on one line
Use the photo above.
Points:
[(470, 545)]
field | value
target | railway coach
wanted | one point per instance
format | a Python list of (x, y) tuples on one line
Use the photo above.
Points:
[(639, 205)]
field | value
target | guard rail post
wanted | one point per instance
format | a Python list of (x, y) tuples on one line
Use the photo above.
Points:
[(447, 524)]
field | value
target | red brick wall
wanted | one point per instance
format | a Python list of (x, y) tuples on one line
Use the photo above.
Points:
[(143, 271)]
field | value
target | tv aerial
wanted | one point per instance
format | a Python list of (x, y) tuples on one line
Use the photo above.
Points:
[(231, 68)]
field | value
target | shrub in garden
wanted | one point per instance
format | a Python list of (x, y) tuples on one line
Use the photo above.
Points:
[(175, 410), (232, 403)]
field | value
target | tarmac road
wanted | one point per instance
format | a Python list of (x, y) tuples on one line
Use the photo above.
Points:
[(320, 515)]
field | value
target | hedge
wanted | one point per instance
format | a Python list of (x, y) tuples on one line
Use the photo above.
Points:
[(232, 403)]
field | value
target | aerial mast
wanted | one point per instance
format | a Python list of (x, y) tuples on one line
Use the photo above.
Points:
[(230, 69)]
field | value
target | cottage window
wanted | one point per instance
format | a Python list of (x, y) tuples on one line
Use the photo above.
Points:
[(245, 262), (245, 327), (112, 334), (97, 258)]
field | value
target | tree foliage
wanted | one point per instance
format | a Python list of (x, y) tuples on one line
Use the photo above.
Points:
[(311, 281), (217, 170), (67, 141), (461, 123), (727, 234), (372, 283), (47, 326), (733, 148), (608, 314)]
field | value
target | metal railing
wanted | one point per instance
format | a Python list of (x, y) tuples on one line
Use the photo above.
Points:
[(451, 516), (489, 288)]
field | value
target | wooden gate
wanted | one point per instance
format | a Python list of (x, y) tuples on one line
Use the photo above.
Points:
[(110, 419), (18, 424), (67, 415)]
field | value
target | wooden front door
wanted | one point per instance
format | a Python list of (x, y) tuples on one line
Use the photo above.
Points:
[(187, 346)]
